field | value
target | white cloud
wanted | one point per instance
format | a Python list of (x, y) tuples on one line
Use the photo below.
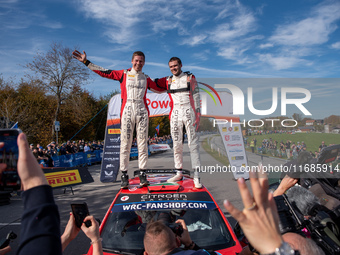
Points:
[(233, 36), (313, 30), (266, 45), (234, 52), (202, 55), (119, 17), (195, 40), (302, 38), (280, 62), (128, 22), (240, 25), (53, 25), (336, 46), (5, 2), (221, 72)]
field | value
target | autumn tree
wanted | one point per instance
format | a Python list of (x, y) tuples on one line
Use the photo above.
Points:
[(8, 107), (58, 73), (206, 125)]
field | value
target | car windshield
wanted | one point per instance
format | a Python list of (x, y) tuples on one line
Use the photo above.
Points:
[(124, 231)]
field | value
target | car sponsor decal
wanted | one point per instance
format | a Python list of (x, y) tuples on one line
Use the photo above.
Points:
[(197, 200), (124, 198), (63, 178)]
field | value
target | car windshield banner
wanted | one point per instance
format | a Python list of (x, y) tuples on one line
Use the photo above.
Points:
[(164, 201)]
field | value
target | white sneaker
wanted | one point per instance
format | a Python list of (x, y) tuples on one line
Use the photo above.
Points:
[(197, 183), (176, 178)]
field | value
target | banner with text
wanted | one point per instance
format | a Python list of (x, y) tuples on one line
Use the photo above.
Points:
[(233, 142)]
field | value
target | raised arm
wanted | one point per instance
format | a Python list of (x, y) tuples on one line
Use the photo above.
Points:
[(259, 219), (79, 56), (106, 73)]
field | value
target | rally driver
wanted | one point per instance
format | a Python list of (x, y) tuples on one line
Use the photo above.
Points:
[(185, 109), (134, 111)]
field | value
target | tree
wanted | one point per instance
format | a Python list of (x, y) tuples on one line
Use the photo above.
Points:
[(206, 125), (58, 73)]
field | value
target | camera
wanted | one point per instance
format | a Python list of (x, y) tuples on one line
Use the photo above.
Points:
[(290, 220), (324, 232), (177, 228), (168, 219)]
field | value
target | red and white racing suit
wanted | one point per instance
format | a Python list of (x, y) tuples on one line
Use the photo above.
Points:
[(134, 111), (185, 106)]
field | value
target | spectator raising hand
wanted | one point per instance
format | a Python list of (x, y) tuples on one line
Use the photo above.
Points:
[(285, 184), (29, 170), (259, 219)]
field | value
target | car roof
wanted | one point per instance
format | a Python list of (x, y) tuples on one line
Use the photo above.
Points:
[(158, 183)]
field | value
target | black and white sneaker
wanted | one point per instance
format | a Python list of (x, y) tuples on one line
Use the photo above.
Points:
[(143, 180), (125, 181)]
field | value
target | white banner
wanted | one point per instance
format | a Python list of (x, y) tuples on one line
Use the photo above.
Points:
[(159, 104), (159, 147), (233, 142)]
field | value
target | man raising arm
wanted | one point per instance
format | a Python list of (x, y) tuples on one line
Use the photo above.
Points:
[(134, 111)]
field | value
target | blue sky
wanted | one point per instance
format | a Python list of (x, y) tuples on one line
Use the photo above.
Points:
[(214, 39)]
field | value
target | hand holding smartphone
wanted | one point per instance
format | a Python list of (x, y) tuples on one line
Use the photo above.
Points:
[(80, 211), (9, 154)]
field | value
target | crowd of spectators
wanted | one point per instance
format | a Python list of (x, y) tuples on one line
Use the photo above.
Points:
[(287, 149), (40, 227), (165, 139), (269, 132), (54, 149), (44, 155), (283, 149)]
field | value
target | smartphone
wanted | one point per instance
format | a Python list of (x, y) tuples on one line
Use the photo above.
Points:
[(4, 243), (9, 154), (80, 211)]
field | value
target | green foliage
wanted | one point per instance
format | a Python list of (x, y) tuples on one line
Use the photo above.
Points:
[(29, 104), (206, 125)]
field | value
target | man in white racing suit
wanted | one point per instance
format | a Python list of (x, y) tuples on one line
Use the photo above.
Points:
[(134, 110), (185, 110)]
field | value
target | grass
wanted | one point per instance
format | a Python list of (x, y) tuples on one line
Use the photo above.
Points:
[(220, 158), (312, 140)]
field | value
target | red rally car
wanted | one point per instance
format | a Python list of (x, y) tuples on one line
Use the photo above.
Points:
[(123, 226)]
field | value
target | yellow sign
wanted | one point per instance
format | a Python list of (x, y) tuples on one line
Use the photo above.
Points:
[(131, 75), (63, 178), (114, 131), (236, 129), (224, 129)]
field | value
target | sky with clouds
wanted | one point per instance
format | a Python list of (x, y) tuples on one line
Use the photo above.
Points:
[(214, 39)]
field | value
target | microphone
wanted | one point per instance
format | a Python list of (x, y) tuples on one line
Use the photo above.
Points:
[(302, 199)]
